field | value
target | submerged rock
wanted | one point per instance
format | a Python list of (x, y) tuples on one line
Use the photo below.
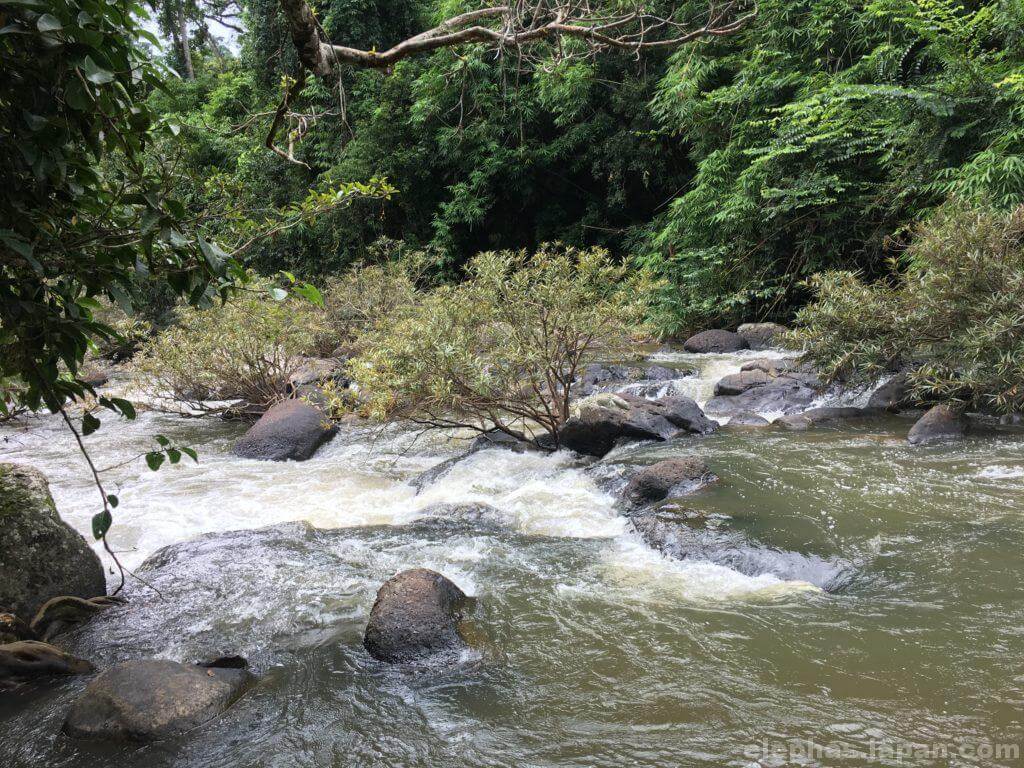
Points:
[(943, 422), (599, 377), (41, 556), (748, 419), (150, 699), (416, 617), (825, 416), (291, 429), (30, 659), (491, 439), (671, 477), (760, 335), (716, 340), (683, 540)]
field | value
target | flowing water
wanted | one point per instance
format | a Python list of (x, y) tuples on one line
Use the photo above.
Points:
[(593, 648)]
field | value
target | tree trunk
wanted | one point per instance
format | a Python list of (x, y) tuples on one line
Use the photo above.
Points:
[(186, 52)]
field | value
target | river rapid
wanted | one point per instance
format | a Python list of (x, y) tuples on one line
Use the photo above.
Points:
[(594, 648)]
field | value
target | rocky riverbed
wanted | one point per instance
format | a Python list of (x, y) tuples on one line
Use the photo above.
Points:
[(830, 583)]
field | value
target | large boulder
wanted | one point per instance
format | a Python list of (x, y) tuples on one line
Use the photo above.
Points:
[(894, 395), (765, 386), (738, 383), (151, 699), (760, 335), (668, 478), (30, 659), (943, 422), (823, 417), (716, 340), (41, 556), (291, 429), (415, 618), (609, 420)]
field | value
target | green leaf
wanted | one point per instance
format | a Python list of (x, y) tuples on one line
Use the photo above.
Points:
[(310, 293), (174, 455), (154, 459), (101, 523), (48, 23), (124, 407), (89, 424), (213, 254), (113, 500), (162, 441), (191, 452), (96, 74)]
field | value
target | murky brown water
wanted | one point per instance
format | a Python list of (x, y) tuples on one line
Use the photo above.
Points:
[(598, 651)]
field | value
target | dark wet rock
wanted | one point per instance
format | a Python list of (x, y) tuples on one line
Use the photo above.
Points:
[(41, 556), (679, 411), (598, 428), (315, 371), (13, 629), (611, 420), (61, 614), (30, 659), (748, 419), (668, 478), (765, 385), (231, 661), (151, 699), (599, 377), (415, 618), (894, 395), (1011, 419), (428, 477), (760, 335), (291, 429), (738, 383), (783, 395), (824, 416), (717, 340), (96, 378), (943, 422), (690, 540)]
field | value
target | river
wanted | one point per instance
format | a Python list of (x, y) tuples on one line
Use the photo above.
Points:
[(594, 649)]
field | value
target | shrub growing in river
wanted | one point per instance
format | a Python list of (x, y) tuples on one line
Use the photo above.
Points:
[(501, 349), (246, 349), (955, 313)]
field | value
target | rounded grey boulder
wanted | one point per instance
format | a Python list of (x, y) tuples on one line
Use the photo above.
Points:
[(894, 395), (748, 419), (151, 699), (760, 335), (671, 477), (291, 429), (943, 422), (41, 556), (716, 340), (416, 617)]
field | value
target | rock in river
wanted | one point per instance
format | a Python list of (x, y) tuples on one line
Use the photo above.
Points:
[(31, 659), (824, 416), (894, 395), (715, 340), (943, 422), (608, 420), (671, 477), (41, 556), (760, 335), (150, 699), (291, 429), (416, 617)]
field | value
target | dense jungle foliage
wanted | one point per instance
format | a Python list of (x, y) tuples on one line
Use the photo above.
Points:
[(734, 168)]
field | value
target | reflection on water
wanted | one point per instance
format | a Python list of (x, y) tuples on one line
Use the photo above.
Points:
[(598, 650)]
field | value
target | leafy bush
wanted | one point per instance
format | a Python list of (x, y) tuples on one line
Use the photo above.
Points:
[(246, 349), (956, 313), (501, 349)]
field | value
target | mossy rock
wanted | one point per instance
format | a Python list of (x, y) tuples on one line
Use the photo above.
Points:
[(41, 556)]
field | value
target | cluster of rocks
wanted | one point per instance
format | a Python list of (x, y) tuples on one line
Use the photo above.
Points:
[(747, 336)]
